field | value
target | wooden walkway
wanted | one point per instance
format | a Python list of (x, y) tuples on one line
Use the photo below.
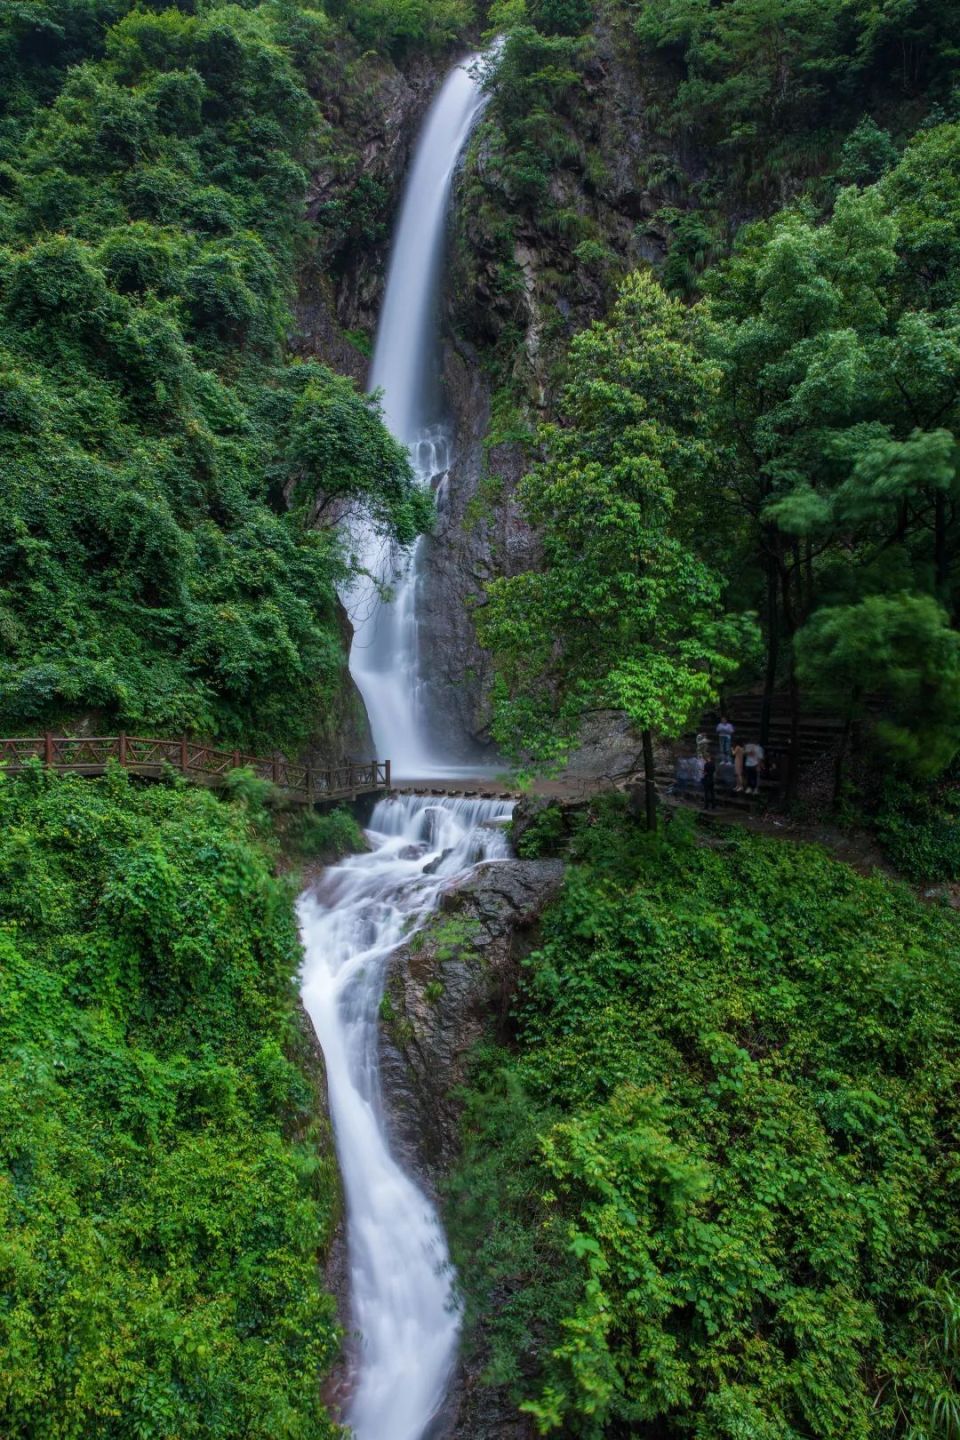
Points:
[(91, 754)]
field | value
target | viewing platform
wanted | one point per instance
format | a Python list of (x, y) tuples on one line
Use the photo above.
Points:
[(92, 754)]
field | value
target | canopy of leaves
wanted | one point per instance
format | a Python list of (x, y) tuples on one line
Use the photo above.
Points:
[(160, 1224), (764, 79)]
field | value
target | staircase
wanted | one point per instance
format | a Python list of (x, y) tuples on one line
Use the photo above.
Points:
[(820, 730)]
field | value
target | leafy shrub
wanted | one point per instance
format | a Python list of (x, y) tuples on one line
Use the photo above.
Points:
[(398, 25), (325, 837), (920, 829), (709, 1191), (561, 17), (543, 835), (159, 1227)]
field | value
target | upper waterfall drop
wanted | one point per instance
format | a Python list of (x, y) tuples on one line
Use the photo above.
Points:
[(384, 658), (405, 351)]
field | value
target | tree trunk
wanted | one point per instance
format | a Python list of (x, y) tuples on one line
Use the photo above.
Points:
[(841, 757), (793, 774), (790, 627), (941, 553), (650, 784), (773, 649)]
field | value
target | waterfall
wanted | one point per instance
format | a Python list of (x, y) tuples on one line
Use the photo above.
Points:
[(403, 1315), (400, 1283), (384, 658)]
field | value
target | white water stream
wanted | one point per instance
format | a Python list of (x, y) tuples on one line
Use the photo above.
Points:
[(400, 1281), (402, 1309), (384, 659)]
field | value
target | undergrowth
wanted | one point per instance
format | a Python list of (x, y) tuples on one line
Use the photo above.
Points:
[(710, 1192)]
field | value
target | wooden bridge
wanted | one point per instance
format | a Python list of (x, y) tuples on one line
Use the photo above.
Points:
[(91, 755)]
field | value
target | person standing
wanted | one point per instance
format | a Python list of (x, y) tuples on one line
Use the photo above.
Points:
[(709, 783), (725, 737), (738, 768), (752, 761)]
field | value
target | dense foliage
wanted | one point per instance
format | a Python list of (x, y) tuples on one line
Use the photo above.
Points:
[(787, 447), (710, 1193), (165, 1184), (165, 470), (772, 83), (617, 128), (620, 613)]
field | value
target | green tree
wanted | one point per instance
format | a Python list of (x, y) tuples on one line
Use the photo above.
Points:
[(840, 403), (900, 651), (621, 612)]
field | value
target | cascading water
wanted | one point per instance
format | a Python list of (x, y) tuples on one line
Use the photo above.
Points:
[(400, 1284), (384, 659), (401, 1297)]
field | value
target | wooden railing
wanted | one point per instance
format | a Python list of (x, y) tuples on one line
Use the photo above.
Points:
[(91, 754)]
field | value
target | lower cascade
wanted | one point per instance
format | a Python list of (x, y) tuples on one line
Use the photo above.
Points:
[(403, 1308)]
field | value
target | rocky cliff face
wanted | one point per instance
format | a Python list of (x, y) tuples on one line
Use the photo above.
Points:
[(479, 534), (451, 984)]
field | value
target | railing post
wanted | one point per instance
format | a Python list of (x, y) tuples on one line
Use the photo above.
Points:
[(309, 784), (48, 747), (184, 756), (122, 747), (386, 773), (236, 759), (276, 768)]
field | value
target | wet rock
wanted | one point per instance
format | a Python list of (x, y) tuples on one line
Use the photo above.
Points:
[(342, 730), (452, 983), (610, 749), (434, 865), (479, 533)]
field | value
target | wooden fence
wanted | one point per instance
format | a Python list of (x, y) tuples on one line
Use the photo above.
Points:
[(91, 754)]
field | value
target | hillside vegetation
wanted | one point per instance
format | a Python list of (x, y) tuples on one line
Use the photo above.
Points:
[(711, 1190), (163, 462), (166, 1178)]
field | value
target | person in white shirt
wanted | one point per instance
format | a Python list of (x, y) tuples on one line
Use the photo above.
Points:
[(752, 760)]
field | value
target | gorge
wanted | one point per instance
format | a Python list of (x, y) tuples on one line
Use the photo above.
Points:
[(403, 1313)]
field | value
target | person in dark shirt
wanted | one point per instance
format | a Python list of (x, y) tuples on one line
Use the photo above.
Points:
[(709, 781)]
